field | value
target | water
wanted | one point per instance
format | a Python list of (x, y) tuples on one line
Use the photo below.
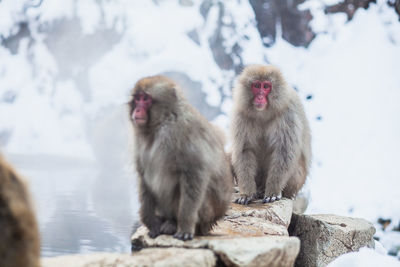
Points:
[(81, 207)]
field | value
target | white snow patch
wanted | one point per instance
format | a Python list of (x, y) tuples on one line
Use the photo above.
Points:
[(366, 257)]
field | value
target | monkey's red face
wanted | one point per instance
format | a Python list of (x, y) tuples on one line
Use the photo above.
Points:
[(260, 90), (140, 114)]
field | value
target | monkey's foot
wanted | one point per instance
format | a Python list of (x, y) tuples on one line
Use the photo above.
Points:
[(168, 228), (183, 236), (244, 200), (270, 199), (154, 233), (259, 195)]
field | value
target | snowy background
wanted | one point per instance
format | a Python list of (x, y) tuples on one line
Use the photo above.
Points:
[(66, 69)]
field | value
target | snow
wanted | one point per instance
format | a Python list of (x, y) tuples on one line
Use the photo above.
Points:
[(351, 70), (364, 258)]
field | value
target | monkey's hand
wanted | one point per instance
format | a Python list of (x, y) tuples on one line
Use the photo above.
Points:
[(183, 235), (244, 199), (269, 198)]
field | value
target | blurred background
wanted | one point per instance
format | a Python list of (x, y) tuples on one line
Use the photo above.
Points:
[(66, 69)]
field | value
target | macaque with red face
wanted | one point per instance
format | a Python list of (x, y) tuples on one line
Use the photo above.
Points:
[(185, 181), (260, 90), (142, 102), (271, 151)]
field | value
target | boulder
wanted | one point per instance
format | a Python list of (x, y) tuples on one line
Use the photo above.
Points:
[(148, 257), (256, 219), (272, 251), (326, 237), (231, 250)]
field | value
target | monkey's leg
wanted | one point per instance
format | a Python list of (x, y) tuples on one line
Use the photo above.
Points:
[(168, 227), (147, 211), (192, 189), (282, 159), (245, 167), (297, 179), (204, 228)]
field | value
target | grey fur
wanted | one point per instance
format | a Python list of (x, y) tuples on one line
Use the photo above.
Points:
[(185, 181), (271, 151)]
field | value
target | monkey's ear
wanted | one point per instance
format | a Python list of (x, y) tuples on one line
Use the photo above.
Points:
[(130, 102), (174, 93)]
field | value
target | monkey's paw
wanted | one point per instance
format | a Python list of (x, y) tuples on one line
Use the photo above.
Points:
[(270, 199), (183, 236), (244, 200), (154, 233), (168, 228)]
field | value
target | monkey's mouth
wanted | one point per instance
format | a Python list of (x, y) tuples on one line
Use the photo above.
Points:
[(260, 106), (140, 121)]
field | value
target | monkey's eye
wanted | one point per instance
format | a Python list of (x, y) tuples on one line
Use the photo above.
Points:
[(145, 97), (257, 85), (136, 97), (266, 85)]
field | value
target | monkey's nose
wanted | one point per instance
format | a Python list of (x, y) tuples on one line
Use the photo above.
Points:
[(140, 112)]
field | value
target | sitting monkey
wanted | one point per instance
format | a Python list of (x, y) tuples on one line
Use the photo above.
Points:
[(185, 181)]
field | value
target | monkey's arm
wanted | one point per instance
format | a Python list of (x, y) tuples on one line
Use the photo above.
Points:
[(286, 150), (245, 166), (192, 188), (147, 208)]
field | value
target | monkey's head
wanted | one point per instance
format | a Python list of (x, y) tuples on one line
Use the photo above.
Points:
[(261, 88), (153, 98)]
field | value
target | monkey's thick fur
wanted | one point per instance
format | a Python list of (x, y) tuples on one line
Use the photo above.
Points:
[(19, 235), (271, 148), (185, 182)]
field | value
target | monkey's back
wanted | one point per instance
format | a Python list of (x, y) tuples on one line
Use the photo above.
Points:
[(19, 235)]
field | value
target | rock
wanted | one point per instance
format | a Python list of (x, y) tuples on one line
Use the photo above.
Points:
[(257, 251), (256, 219), (233, 251), (147, 257), (141, 240), (349, 7), (325, 237), (248, 236), (292, 20)]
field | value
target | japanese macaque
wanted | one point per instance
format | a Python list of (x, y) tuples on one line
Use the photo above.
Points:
[(271, 141), (19, 235), (185, 181)]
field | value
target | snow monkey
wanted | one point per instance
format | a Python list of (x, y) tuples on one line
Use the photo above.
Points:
[(19, 235), (271, 141), (185, 182)]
